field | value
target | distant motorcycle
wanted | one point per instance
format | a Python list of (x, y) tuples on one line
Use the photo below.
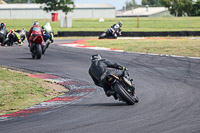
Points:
[(36, 47), (16, 37), (3, 33), (48, 36), (109, 34), (22, 34), (113, 32), (123, 88)]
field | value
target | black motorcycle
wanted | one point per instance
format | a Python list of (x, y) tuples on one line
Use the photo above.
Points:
[(3, 33), (123, 89), (22, 34), (16, 37), (111, 33), (48, 39)]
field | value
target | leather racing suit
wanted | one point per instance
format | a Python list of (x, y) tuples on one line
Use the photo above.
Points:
[(99, 69), (35, 31)]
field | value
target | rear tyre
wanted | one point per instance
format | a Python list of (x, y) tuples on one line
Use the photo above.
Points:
[(6, 41), (123, 94), (38, 51)]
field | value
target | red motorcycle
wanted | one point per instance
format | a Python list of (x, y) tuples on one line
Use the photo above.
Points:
[(36, 47)]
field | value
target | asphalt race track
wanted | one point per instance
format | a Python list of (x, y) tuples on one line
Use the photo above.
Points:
[(168, 89)]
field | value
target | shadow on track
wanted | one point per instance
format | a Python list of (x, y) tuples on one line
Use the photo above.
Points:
[(28, 58), (101, 104)]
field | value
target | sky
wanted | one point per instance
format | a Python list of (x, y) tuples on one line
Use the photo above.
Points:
[(117, 3)]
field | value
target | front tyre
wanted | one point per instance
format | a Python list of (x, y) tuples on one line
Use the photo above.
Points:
[(136, 99), (33, 56), (123, 94), (102, 36), (38, 51), (45, 47)]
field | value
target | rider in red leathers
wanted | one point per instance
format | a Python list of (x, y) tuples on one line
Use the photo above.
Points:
[(35, 31)]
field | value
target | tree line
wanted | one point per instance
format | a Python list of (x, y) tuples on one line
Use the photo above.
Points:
[(175, 7), (51, 5)]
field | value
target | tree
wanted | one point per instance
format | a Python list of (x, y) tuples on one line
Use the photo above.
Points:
[(196, 9), (19, 1), (151, 2), (55, 5), (145, 2), (178, 7), (130, 5)]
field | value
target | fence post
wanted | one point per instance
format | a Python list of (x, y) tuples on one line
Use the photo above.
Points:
[(138, 22)]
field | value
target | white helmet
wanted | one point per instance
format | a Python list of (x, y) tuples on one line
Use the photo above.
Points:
[(36, 23), (95, 57)]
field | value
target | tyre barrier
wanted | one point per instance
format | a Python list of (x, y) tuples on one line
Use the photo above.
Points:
[(129, 34)]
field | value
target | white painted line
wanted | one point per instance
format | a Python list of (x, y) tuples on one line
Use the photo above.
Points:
[(134, 38), (91, 47), (198, 58), (118, 50)]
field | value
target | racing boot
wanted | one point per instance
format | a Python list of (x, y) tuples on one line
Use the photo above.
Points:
[(109, 93)]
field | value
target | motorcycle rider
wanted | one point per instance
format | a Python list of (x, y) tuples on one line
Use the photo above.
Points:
[(35, 31), (17, 36), (117, 27), (48, 32), (114, 31), (99, 70), (4, 32), (3, 26), (22, 34)]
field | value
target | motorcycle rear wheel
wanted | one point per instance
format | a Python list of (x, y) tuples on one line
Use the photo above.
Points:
[(123, 94), (6, 41), (39, 51)]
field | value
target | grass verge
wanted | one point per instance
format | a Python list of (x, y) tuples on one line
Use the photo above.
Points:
[(19, 91), (180, 47)]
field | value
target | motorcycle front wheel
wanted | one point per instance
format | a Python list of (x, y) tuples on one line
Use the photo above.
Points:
[(123, 94), (103, 35), (44, 47)]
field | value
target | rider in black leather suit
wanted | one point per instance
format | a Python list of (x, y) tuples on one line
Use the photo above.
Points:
[(4, 32), (100, 68)]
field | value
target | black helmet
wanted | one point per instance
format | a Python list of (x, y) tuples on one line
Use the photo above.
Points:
[(95, 57), (120, 23), (3, 25)]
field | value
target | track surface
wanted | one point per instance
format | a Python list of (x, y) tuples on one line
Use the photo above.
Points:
[(168, 88)]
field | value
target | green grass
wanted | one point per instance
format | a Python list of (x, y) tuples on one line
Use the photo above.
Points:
[(18, 91), (129, 24), (181, 47)]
